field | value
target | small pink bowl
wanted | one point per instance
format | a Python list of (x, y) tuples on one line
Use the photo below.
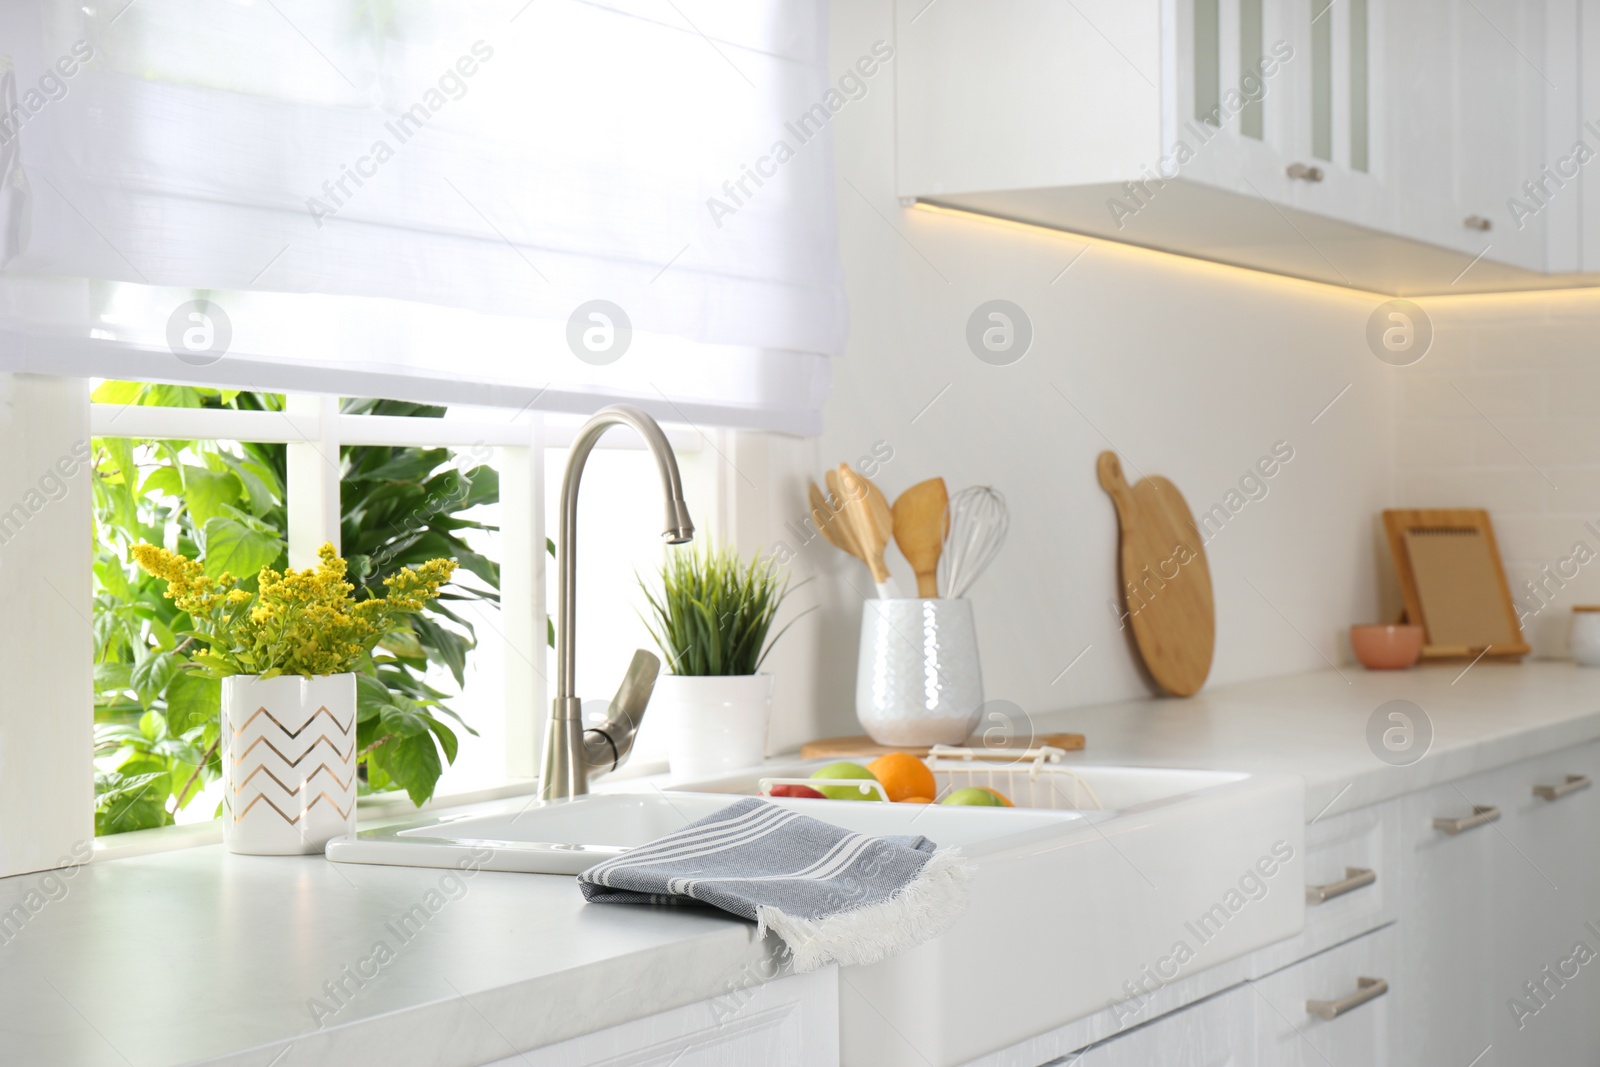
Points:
[(1386, 648)]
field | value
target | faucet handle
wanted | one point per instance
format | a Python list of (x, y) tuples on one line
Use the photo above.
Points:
[(606, 746)]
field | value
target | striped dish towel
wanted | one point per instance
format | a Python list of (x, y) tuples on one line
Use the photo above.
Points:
[(833, 896)]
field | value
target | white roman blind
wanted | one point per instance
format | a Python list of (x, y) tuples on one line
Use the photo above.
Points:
[(484, 202)]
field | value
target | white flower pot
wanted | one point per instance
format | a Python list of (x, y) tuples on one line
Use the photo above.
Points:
[(715, 723), (288, 762), (917, 679)]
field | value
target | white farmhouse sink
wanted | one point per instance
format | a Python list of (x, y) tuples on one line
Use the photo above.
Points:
[(569, 836), (1070, 911), (1057, 927)]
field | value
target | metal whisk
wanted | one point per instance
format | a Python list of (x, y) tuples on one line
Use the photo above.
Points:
[(978, 522)]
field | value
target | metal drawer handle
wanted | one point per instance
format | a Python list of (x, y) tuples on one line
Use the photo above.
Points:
[(1366, 989), (1481, 814), (1354, 878), (1573, 783), (1305, 173)]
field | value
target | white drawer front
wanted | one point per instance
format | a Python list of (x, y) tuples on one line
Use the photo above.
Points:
[(790, 1022), (1291, 1034), (1219, 1032), (1339, 852)]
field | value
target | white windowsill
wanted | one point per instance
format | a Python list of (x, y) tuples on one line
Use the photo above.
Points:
[(372, 811)]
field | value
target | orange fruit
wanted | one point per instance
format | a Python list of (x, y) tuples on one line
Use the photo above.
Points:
[(917, 800), (903, 776), (1001, 797)]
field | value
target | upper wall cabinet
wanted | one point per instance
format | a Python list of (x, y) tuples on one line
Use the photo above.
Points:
[(1377, 144)]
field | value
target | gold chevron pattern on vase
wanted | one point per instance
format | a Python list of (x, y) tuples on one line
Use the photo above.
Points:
[(272, 769)]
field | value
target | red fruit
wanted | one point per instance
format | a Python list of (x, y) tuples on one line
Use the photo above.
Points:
[(797, 791)]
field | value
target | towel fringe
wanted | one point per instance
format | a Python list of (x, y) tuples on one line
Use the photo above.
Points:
[(925, 908)]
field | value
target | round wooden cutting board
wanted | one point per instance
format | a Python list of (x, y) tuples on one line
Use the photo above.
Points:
[(1166, 585)]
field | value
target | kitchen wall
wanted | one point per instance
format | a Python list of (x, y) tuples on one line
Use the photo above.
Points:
[(1504, 413), (1186, 369)]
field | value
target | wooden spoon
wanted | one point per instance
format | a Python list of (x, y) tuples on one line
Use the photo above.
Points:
[(921, 520), (830, 523), (870, 520)]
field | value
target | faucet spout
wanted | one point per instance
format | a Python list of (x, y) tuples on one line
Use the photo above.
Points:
[(570, 757)]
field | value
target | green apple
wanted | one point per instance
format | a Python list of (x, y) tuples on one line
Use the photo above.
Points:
[(974, 797), (846, 770)]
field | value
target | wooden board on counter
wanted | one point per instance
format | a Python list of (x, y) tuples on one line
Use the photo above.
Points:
[(1166, 583), (863, 747), (1453, 582)]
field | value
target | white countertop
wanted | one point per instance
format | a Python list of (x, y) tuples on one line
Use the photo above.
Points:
[(1315, 725), (201, 956)]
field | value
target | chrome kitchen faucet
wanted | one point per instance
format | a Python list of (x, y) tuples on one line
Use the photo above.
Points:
[(573, 755)]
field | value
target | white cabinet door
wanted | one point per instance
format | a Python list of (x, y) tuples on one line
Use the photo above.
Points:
[(1219, 1032), (1499, 127), (1446, 990), (1333, 1008), (1549, 998), (1419, 85)]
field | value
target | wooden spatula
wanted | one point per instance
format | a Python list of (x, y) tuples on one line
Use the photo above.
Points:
[(871, 522), (829, 522), (842, 525), (921, 520)]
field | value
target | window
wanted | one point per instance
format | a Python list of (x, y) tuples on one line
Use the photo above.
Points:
[(208, 463)]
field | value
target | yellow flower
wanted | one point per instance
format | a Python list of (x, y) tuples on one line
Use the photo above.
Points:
[(299, 622)]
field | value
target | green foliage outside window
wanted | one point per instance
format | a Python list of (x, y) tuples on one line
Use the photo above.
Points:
[(156, 716)]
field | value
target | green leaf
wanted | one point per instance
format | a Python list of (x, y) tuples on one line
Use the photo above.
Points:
[(372, 696), (151, 675), (403, 643), (173, 396), (209, 493), (117, 392), (192, 700), (413, 762), (132, 801), (163, 479), (112, 578), (113, 677), (234, 547), (403, 720), (258, 489), (447, 738)]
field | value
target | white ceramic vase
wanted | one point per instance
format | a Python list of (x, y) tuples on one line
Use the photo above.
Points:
[(715, 723), (918, 681), (288, 762)]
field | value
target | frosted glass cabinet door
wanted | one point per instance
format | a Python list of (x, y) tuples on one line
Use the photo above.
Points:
[(1341, 110), (1219, 1032), (1231, 120)]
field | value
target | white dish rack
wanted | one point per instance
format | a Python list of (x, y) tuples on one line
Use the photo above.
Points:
[(1029, 778)]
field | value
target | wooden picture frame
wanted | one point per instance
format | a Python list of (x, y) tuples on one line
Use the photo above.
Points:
[(1447, 560)]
